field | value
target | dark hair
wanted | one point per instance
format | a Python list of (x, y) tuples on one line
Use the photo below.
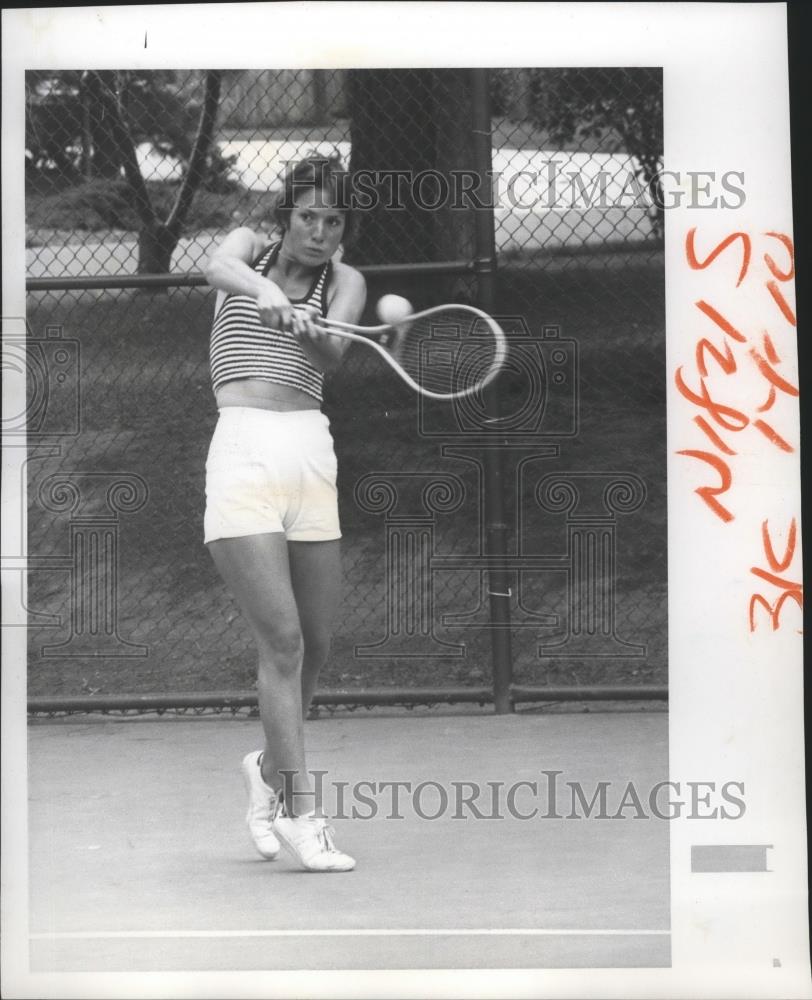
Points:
[(318, 173)]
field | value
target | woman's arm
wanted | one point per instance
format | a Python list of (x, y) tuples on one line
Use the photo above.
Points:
[(346, 304), (229, 266), (229, 270)]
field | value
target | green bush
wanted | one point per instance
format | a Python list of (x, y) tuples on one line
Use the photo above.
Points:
[(92, 205), (99, 204)]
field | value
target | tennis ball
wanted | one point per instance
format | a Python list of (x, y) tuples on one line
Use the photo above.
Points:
[(393, 309)]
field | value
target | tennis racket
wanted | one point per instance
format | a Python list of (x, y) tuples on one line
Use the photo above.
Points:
[(445, 352)]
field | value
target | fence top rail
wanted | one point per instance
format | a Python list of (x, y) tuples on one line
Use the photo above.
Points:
[(196, 279)]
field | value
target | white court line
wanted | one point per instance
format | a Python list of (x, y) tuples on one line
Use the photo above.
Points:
[(372, 932)]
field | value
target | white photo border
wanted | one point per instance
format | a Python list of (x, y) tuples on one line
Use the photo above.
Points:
[(736, 697)]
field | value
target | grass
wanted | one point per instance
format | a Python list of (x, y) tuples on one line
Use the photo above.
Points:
[(147, 410)]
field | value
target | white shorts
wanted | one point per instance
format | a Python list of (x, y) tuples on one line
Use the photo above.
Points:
[(270, 471)]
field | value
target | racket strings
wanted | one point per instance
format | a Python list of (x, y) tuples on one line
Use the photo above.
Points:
[(448, 352)]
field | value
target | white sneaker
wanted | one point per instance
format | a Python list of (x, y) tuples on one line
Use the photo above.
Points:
[(262, 803), (310, 840)]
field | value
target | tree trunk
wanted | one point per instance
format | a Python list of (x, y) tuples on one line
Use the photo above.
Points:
[(392, 130), (200, 152), (156, 244), (157, 240), (106, 159), (318, 89), (454, 224), (417, 122), (87, 139)]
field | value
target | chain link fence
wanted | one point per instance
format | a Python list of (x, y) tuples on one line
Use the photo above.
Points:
[(585, 261), (129, 174)]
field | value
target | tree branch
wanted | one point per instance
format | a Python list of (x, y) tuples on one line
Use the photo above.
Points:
[(200, 151), (123, 139)]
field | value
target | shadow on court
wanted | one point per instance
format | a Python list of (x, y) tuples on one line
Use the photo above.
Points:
[(140, 860)]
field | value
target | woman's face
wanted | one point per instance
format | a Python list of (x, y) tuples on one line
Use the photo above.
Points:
[(314, 229)]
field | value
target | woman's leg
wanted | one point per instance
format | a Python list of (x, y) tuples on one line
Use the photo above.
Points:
[(315, 570), (256, 569)]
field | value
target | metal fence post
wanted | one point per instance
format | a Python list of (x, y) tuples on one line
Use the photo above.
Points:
[(495, 525)]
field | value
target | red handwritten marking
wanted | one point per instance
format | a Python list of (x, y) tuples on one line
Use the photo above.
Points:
[(774, 270), (774, 609), (729, 418), (709, 493), (703, 425), (720, 321), (792, 590), (695, 264), (771, 375), (719, 414), (769, 347), (772, 435), (725, 361), (767, 405), (782, 303), (777, 581), (779, 565)]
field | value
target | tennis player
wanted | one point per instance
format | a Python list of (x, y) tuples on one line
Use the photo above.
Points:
[(271, 521)]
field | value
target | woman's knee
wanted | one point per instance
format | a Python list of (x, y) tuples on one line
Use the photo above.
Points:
[(281, 651), (316, 647)]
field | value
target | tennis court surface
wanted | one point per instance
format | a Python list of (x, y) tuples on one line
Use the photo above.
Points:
[(140, 860)]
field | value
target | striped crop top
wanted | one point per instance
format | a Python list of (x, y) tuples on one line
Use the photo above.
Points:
[(241, 347)]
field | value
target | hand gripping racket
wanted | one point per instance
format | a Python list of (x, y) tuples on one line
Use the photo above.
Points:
[(445, 352)]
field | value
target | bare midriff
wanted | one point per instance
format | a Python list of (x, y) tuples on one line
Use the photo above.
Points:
[(263, 395)]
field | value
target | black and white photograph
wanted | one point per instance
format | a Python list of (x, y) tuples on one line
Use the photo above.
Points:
[(401, 503)]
